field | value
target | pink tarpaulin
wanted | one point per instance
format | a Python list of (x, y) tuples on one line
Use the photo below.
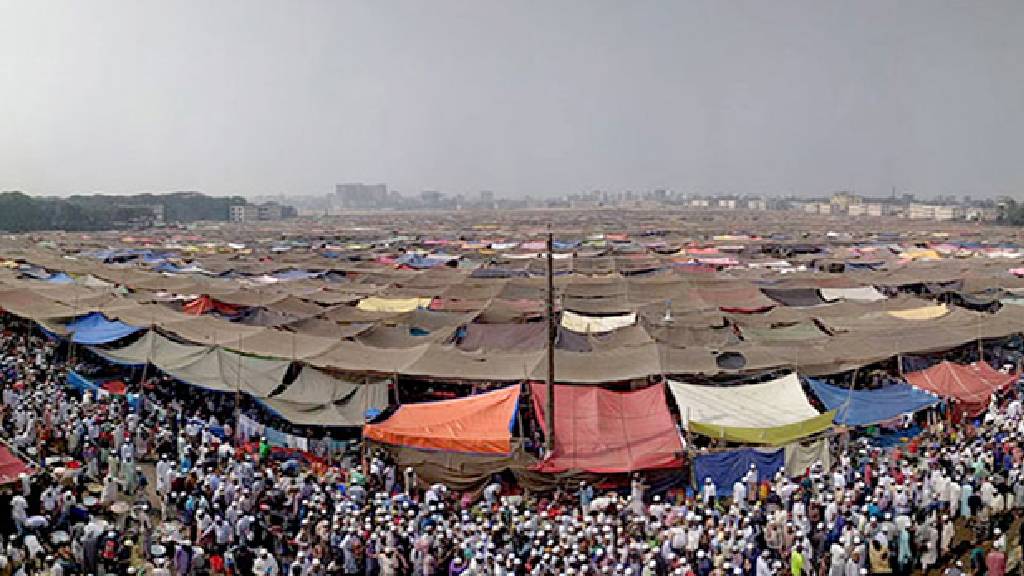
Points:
[(971, 385), (601, 431), (11, 466)]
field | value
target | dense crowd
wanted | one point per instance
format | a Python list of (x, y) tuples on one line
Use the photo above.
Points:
[(948, 500)]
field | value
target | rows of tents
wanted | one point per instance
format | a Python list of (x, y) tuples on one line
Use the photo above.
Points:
[(327, 351)]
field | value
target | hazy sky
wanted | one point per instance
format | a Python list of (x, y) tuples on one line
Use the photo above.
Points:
[(539, 97)]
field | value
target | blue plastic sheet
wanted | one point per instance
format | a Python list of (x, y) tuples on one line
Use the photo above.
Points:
[(79, 382), (60, 278), (95, 329), (725, 468), (863, 407)]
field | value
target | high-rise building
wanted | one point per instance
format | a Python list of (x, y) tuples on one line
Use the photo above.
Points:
[(359, 196)]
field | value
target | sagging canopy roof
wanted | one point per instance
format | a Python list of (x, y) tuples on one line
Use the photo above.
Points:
[(862, 407), (318, 399), (531, 336), (971, 385), (602, 431), (478, 424), (313, 398), (797, 297)]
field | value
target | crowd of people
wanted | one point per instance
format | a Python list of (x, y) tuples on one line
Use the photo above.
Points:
[(147, 488)]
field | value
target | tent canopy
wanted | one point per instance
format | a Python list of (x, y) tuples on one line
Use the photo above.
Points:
[(762, 405), (971, 385), (94, 328), (773, 412), (863, 407), (601, 431), (478, 424)]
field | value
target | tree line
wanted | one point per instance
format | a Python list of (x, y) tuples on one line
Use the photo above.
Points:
[(20, 212)]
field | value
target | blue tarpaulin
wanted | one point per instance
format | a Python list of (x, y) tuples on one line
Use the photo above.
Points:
[(83, 384), (418, 261), (95, 329), (60, 278), (725, 468), (863, 407)]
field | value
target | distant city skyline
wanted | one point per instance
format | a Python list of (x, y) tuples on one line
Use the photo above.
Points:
[(259, 97)]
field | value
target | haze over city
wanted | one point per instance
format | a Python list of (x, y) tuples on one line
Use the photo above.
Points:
[(260, 97)]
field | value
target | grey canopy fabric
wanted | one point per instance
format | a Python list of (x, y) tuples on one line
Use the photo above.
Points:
[(204, 366), (317, 398)]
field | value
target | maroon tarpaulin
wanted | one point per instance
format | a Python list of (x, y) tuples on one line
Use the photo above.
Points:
[(971, 385), (601, 431), (11, 466)]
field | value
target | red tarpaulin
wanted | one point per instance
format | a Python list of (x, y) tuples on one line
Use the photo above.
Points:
[(970, 385), (115, 387), (478, 424), (601, 431), (205, 304), (11, 466)]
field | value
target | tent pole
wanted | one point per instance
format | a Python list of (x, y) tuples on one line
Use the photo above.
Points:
[(238, 385), (549, 438)]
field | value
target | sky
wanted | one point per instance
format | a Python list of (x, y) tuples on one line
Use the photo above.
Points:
[(520, 97)]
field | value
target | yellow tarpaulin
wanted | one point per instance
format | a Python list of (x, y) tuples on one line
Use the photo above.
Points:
[(921, 255), (923, 313), (378, 304), (775, 436)]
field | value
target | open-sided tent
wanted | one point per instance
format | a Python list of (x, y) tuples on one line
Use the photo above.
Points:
[(602, 431), (480, 424), (773, 412), (971, 385), (863, 407)]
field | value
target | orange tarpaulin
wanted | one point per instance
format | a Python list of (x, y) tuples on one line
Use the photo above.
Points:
[(970, 385), (601, 431), (205, 304), (478, 424)]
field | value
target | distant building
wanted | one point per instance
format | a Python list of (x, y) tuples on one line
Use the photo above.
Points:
[(921, 212), (949, 212), (359, 196), (265, 211), (430, 197), (841, 201), (244, 213)]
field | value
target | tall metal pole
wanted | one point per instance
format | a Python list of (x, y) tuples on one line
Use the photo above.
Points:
[(549, 415)]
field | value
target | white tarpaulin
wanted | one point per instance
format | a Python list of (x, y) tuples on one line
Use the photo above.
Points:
[(800, 457), (766, 405), (594, 324), (862, 294)]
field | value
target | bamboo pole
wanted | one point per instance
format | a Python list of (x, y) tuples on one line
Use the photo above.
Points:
[(549, 416)]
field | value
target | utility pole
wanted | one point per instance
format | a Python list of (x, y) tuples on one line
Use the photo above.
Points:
[(549, 438)]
